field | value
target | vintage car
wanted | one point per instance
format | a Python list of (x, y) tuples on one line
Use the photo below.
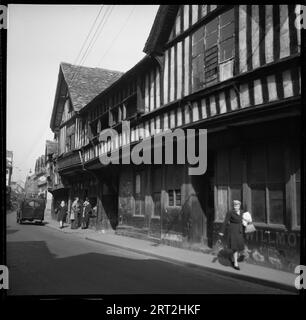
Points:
[(31, 208)]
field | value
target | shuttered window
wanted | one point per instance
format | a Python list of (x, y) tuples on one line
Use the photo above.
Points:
[(213, 51)]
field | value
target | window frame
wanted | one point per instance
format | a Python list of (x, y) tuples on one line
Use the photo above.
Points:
[(175, 205), (267, 215), (215, 50), (227, 183), (138, 196), (293, 182)]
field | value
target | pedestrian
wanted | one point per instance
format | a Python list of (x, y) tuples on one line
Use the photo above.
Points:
[(62, 214), (86, 213), (75, 213), (233, 226)]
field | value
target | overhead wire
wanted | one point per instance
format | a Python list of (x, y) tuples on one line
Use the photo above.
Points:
[(88, 34), (100, 31), (116, 37), (94, 38)]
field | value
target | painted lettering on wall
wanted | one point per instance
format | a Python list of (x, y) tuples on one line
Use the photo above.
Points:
[(277, 238)]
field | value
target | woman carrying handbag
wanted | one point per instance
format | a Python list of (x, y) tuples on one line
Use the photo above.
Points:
[(236, 223)]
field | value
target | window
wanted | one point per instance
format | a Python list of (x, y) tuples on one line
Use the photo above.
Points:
[(297, 187), (157, 204), (219, 48), (93, 129), (139, 193), (266, 182), (70, 138), (137, 184), (171, 198), (213, 51), (99, 126), (178, 197), (198, 59), (228, 180), (114, 117), (174, 198)]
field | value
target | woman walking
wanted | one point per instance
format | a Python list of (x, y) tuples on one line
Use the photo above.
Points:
[(75, 213), (234, 224), (62, 214)]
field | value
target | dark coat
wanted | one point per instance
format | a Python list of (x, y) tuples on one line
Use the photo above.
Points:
[(87, 209), (233, 230), (62, 213)]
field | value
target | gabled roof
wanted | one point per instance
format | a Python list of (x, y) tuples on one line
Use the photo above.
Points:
[(161, 29), (83, 84)]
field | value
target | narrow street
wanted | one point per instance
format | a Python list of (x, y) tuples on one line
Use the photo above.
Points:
[(44, 261)]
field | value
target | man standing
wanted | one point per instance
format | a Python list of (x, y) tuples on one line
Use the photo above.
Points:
[(75, 213), (86, 212)]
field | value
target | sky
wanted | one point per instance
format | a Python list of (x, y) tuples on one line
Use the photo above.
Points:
[(42, 36)]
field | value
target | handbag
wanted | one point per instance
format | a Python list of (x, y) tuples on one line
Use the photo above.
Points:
[(72, 217), (250, 228)]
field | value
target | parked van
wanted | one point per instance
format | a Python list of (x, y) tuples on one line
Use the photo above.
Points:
[(31, 209)]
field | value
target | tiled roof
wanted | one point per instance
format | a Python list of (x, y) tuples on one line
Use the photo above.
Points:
[(85, 83), (122, 81)]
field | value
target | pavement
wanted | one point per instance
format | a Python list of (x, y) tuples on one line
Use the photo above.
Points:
[(199, 260)]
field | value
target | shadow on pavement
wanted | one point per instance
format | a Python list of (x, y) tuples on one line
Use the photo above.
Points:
[(35, 270), (11, 231)]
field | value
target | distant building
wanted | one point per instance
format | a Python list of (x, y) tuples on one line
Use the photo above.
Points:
[(9, 172), (52, 176), (17, 187), (31, 187), (40, 175), (9, 167)]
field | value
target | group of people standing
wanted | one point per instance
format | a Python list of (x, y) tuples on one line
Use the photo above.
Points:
[(79, 215)]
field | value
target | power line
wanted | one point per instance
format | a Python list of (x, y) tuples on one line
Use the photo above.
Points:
[(110, 12), (88, 45), (88, 34), (93, 40), (116, 37)]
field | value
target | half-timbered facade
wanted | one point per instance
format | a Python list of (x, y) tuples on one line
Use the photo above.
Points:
[(76, 87), (233, 70)]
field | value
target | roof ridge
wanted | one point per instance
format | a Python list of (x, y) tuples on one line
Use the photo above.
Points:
[(98, 68)]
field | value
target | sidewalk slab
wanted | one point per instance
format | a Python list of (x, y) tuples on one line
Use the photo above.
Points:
[(209, 262)]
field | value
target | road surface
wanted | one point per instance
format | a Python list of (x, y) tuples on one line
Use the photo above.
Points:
[(45, 261)]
